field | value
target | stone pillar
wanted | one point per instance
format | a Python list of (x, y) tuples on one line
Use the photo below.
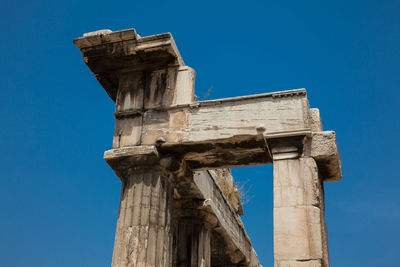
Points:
[(193, 244), (299, 225), (143, 236), (193, 234)]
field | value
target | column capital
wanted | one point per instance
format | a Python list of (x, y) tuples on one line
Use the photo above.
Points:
[(321, 146), (142, 159), (286, 147)]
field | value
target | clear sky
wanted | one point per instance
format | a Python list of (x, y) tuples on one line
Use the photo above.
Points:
[(58, 197)]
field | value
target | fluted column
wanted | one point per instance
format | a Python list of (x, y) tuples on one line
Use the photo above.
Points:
[(193, 244), (143, 236), (193, 234)]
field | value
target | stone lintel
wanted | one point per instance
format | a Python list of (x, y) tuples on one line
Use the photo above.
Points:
[(242, 150), (278, 114)]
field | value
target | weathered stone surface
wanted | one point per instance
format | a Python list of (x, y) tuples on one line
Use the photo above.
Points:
[(225, 181), (325, 151), (324, 145), (131, 88), (315, 118), (325, 250), (230, 226), (224, 119), (144, 234), (184, 86), (298, 212), (121, 160), (108, 55), (99, 32), (128, 132), (310, 263), (296, 183), (216, 144), (297, 233), (103, 36), (193, 241)]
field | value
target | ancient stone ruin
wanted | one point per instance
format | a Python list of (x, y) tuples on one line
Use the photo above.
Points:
[(179, 205)]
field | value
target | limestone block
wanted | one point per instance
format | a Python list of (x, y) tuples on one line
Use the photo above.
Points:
[(325, 258), (128, 132), (310, 263), (296, 183), (158, 124), (297, 233), (155, 126), (130, 94), (325, 151), (184, 85), (315, 120), (159, 89), (323, 144), (224, 118)]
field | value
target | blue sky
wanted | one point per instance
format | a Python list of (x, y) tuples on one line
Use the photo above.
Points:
[(59, 199)]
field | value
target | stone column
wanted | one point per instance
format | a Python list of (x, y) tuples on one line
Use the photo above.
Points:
[(193, 244), (143, 235), (193, 234), (299, 225), (145, 76), (144, 232)]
